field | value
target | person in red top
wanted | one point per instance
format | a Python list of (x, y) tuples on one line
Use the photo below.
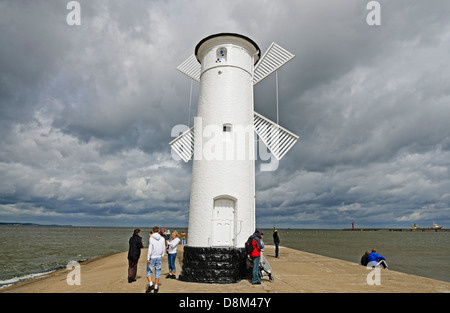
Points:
[(256, 256)]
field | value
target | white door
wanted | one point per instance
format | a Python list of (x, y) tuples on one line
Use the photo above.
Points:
[(223, 223)]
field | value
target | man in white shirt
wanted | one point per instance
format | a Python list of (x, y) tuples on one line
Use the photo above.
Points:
[(156, 247)]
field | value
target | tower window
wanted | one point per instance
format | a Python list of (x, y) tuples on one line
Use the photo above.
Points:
[(227, 128), (221, 55)]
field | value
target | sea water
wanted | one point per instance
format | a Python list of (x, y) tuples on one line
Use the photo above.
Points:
[(419, 253), (31, 251)]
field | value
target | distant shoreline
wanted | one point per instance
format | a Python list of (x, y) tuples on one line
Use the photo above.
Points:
[(33, 224), (263, 228), (397, 229)]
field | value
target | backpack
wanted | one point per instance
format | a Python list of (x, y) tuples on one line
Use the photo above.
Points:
[(249, 245)]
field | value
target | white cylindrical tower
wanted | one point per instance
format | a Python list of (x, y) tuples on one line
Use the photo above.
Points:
[(222, 202)]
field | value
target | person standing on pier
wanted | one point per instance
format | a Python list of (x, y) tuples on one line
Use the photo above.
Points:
[(155, 253), (172, 254), (255, 255), (134, 252), (276, 241)]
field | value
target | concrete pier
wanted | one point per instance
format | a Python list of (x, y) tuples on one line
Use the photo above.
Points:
[(294, 272)]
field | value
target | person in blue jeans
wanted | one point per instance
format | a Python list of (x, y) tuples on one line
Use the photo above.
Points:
[(156, 247), (172, 254), (256, 256)]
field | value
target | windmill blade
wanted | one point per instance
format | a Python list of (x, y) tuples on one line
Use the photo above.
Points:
[(191, 68), (183, 145), (274, 58), (278, 139)]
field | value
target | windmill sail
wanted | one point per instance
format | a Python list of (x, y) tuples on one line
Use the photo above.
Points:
[(278, 139), (183, 145), (274, 58), (191, 68)]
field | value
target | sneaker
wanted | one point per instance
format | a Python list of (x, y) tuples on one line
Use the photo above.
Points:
[(173, 276), (149, 288), (169, 276), (156, 290)]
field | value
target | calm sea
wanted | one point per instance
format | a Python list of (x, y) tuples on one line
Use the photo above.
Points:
[(31, 251)]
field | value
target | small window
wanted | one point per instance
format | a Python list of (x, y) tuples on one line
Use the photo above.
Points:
[(221, 55), (227, 128)]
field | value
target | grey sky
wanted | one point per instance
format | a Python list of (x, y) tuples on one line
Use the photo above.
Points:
[(86, 111)]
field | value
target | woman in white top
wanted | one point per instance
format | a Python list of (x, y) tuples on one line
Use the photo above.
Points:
[(172, 253)]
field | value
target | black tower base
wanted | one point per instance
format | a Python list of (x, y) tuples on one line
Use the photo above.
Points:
[(214, 265)]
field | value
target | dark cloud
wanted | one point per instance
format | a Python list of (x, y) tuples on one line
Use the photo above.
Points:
[(86, 112)]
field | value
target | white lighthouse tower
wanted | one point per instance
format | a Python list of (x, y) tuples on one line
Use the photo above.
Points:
[(222, 201)]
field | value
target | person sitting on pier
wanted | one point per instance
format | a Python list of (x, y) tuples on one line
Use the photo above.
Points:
[(376, 260), (365, 258)]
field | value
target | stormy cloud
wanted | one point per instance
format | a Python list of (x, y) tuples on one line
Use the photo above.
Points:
[(86, 112)]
